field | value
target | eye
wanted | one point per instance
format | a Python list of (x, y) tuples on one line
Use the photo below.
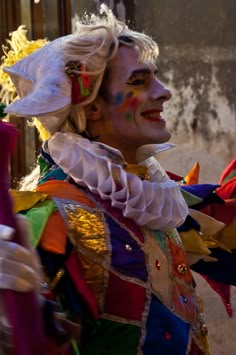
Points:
[(138, 79), (156, 72), (136, 82)]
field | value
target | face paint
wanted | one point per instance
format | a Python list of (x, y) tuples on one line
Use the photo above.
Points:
[(126, 101), (129, 94), (118, 99), (134, 102), (128, 116)]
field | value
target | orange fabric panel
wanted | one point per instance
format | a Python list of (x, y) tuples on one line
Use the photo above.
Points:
[(54, 234), (63, 189), (193, 175)]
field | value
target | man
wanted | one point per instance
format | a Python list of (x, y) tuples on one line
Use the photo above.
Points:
[(111, 255)]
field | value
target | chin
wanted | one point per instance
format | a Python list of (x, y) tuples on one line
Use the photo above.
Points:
[(160, 138), (166, 136)]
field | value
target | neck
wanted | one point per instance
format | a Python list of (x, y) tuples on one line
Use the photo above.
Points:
[(128, 151)]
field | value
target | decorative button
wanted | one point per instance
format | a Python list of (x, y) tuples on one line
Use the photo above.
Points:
[(167, 336), (183, 299), (128, 247), (204, 329), (158, 264), (182, 268), (44, 285)]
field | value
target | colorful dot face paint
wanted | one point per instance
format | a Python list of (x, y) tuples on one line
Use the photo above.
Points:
[(118, 99), (126, 103), (129, 94), (128, 116)]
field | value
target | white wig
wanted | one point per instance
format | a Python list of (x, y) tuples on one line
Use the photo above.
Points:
[(45, 88)]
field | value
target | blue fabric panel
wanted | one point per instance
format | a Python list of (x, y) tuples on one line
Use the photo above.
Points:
[(54, 262), (200, 190), (166, 333), (55, 174), (223, 270), (188, 224)]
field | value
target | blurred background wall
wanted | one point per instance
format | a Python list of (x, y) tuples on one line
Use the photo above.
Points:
[(197, 40)]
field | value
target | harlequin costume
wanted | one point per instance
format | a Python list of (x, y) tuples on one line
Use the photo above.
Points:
[(130, 286), (101, 262)]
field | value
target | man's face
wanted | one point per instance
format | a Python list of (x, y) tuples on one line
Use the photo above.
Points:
[(132, 116)]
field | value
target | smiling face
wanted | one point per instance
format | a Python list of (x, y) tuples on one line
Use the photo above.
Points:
[(131, 108)]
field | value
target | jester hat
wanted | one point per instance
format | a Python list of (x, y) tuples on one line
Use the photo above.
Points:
[(42, 85)]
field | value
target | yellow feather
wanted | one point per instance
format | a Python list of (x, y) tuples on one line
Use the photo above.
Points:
[(18, 47)]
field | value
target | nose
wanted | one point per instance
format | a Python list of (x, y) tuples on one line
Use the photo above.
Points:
[(159, 91)]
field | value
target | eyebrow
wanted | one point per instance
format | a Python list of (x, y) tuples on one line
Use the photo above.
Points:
[(142, 71)]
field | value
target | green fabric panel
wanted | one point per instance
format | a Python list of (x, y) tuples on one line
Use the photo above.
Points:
[(43, 165), (111, 338), (75, 347), (2, 108), (228, 177), (190, 199), (160, 238), (37, 217)]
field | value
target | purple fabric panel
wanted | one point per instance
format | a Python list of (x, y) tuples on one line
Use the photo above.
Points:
[(127, 256), (129, 223)]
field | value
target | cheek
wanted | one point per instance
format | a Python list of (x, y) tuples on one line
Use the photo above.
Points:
[(127, 103)]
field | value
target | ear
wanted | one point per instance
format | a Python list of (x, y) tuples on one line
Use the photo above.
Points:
[(93, 111)]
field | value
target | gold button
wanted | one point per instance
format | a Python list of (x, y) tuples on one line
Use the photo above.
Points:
[(182, 268)]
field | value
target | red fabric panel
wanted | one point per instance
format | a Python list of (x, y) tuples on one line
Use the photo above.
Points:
[(124, 299), (73, 267)]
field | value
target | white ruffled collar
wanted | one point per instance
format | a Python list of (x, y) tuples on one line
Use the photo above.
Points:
[(157, 204)]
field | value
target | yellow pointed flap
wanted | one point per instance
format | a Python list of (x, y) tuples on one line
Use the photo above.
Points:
[(193, 175), (227, 235), (193, 242), (209, 225), (23, 200)]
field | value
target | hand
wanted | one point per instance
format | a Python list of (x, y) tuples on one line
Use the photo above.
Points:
[(19, 265), (19, 271)]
